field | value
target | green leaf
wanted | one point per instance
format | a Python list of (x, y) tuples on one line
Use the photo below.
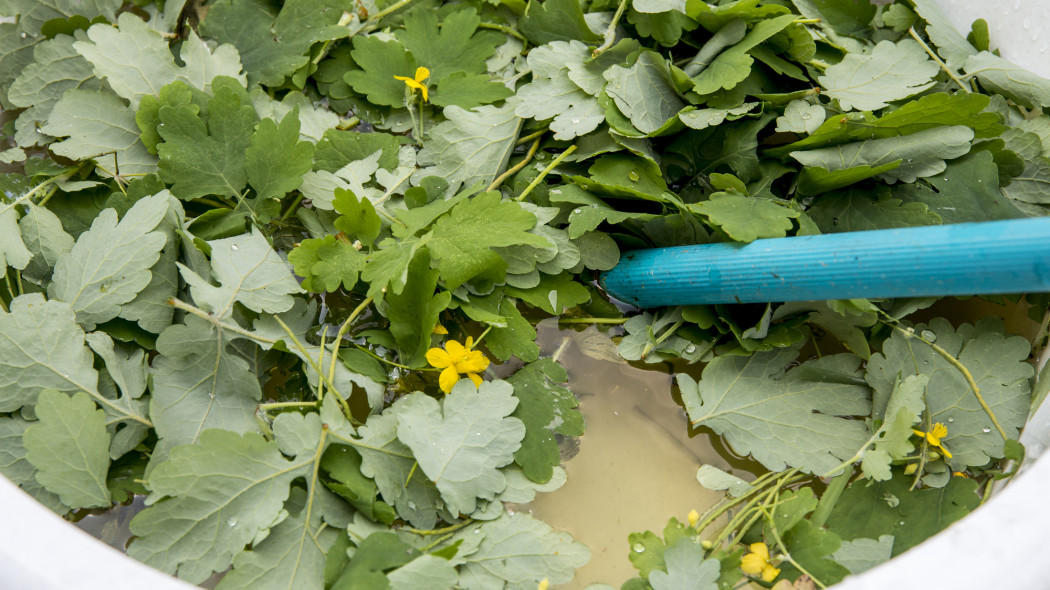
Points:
[(338, 148), (13, 251), (69, 446), (414, 312), (801, 116), (556, 20), (98, 125), (136, 61), (358, 217), (686, 569), (714, 478), (870, 510), (468, 91), (273, 44), (518, 338), (816, 180), (812, 547), (456, 46), (644, 92), (970, 193), (891, 441), (553, 94), (891, 71), (199, 158), (519, 550), (746, 219), (249, 272), (860, 555), (847, 18), (704, 118), (952, 46), (15, 467), (546, 410), (390, 463), (42, 347), (327, 264), (291, 556), (209, 500), (56, 68), (461, 443), (110, 263), (733, 65), (199, 382), (276, 160), (461, 241), (380, 61), (470, 147), (855, 209), (996, 362), (375, 554), (920, 154), (426, 572), (343, 465), (927, 112), (1009, 80), (757, 407)]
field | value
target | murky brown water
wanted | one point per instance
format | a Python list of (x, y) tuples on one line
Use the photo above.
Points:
[(636, 465)]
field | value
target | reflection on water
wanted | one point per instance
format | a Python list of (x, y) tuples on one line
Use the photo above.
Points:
[(636, 465)]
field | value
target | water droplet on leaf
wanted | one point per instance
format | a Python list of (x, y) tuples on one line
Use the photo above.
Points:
[(638, 548), (928, 335), (633, 176), (231, 521), (234, 247), (950, 420), (986, 430)]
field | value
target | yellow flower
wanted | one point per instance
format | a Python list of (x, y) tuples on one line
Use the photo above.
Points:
[(693, 517), (417, 82), (544, 584), (757, 563), (457, 359), (934, 437), (439, 329)]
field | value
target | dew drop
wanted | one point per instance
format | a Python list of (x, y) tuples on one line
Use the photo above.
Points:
[(929, 336), (950, 420), (945, 179), (690, 349), (901, 523), (633, 176), (806, 115), (476, 531), (925, 362), (978, 180), (234, 247), (211, 395), (577, 210), (24, 35), (411, 505), (986, 430), (575, 120), (231, 521), (638, 548)]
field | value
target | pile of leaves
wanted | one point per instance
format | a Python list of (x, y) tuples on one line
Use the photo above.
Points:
[(232, 232)]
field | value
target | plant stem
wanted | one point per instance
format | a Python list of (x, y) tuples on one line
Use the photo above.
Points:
[(292, 207), (335, 351), (787, 555), (944, 66), (503, 29), (610, 32), (515, 168), (278, 405), (536, 181), (365, 350), (530, 136), (649, 346), (215, 321), (830, 498), (32, 192)]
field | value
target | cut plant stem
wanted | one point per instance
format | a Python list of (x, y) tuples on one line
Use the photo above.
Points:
[(965, 88), (515, 168), (610, 31), (536, 181)]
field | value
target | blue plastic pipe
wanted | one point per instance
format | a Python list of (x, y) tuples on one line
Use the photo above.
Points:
[(1011, 256)]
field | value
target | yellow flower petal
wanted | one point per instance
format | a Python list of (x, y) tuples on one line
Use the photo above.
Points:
[(438, 358), (475, 378), (944, 452), (455, 351), (760, 549), (544, 584), (469, 343), (473, 362), (426, 98), (422, 74), (770, 573), (439, 329), (693, 517), (448, 379), (752, 564)]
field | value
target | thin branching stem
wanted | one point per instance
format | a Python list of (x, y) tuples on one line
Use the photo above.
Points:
[(536, 181)]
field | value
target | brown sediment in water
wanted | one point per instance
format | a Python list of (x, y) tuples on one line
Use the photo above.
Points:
[(636, 465)]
